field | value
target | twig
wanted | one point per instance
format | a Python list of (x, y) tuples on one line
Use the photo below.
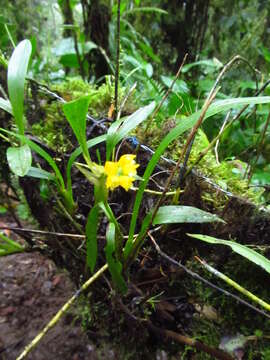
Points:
[(200, 278), (227, 67), (220, 132), (198, 345), (130, 91), (117, 60), (212, 143), (233, 283), (169, 193), (166, 94), (42, 232), (61, 312), (236, 58)]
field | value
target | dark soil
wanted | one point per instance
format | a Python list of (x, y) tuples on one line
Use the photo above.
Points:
[(32, 290)]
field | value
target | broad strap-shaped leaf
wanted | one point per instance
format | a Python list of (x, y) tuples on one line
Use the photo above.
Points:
[(183, 214), (19, 159), (123, 128), (91, 237), (76, 112), (6, 105), (17, 70), (115, 266), (240, 249)]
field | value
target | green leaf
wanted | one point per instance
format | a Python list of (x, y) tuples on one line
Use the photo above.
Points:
[(183, 214), (238, 248), (40, 173), (75, 112), (42, 153), (146, 9), (115, 266), (17, 69), (6, 105), (66, 47), (211, 63), (8, 246), (180, 86), (91, 237), (19, 159), (69, 60), (184, 125), (117, 133)]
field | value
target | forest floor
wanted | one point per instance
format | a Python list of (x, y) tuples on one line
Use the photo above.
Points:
[(32, 290)]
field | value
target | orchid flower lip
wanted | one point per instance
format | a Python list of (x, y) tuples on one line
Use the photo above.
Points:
[(122, 172)]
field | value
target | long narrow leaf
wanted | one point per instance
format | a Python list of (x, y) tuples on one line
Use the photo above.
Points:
[(240, 249), (91, 237), (183, 214), (17, 70), (115, 266), (184, 125)]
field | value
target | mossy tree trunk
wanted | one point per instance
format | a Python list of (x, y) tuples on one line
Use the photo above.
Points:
[(96, 18), (185, 26)]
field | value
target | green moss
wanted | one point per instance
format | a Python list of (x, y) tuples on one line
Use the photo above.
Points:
[(54, 129), (102, 97), (227, 174)]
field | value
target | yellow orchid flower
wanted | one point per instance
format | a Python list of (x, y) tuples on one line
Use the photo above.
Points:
[(121, 173)]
